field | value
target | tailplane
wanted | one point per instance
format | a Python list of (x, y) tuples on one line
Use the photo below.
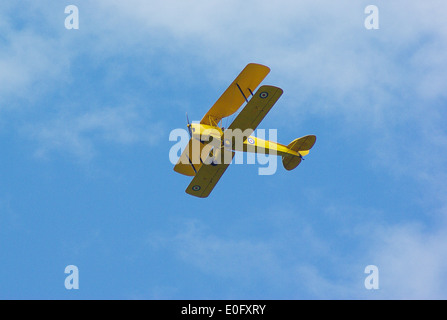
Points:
[(301, 146)]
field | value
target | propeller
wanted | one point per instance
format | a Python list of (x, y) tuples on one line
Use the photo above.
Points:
[(188, 125)]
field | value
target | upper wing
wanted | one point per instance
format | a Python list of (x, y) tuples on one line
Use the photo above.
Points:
[(241, 88), (208, 176), (257, 108)]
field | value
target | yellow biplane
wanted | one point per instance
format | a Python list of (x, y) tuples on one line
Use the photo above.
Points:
[(211, 147)]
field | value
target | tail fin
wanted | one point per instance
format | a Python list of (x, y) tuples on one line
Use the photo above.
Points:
[(301, 146)]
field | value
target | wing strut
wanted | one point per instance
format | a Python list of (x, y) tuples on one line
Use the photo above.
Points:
[(242, 92), (190, 162)]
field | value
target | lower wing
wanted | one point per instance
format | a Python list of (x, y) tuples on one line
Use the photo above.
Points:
[(207, 177), (190, 161)]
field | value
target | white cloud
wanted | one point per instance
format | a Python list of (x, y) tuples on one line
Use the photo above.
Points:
[(412, 262), (31, 58), (283, 264), (321, 255), (28, 62), (79, 133), (38, 57), (321, 54)]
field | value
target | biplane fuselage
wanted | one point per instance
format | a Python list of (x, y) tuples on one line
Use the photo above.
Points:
[(240, 142), (212, 148), (205, 132)]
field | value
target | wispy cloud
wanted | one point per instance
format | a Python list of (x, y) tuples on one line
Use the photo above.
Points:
[(322, 55), (31, 58), (320, 255), (80, 134), (284, 258), (412, 261)]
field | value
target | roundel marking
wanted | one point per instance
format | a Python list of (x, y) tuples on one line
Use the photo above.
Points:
[(250, 140), (196, 188), (264, 95)]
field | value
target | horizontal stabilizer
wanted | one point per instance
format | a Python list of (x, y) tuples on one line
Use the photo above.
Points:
[(301, 146)]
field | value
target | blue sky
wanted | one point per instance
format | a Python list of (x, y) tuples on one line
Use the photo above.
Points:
[(85, 176)]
